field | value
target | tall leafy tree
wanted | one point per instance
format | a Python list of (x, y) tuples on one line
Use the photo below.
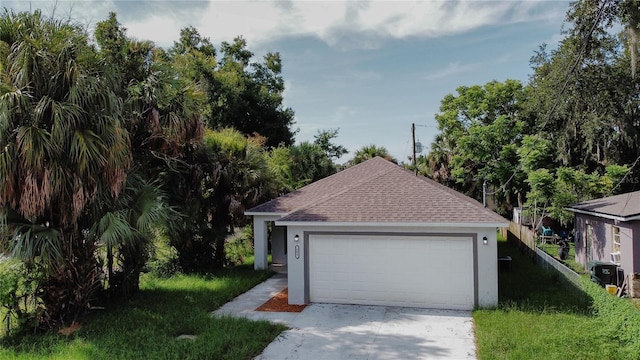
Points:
[(324, 139), (566, 135), (309, 163), (553, 190), (584, 93), (229, 174), (304, 163), (241, 93), (161, 111), (481, 130)]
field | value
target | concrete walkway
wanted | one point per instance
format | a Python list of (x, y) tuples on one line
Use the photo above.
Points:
[(333, 331), (245, 304)]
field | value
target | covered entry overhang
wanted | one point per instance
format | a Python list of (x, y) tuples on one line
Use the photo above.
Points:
[(261, 237)]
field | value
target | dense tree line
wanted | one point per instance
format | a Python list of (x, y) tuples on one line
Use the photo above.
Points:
[(570, 134), (108, 142)]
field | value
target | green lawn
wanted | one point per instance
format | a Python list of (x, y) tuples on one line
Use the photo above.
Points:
[(570, 261), (542, 317), (147, 326)]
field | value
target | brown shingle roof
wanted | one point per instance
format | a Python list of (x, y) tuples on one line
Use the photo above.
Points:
[(321, 189), (623, 205), (378, 191)]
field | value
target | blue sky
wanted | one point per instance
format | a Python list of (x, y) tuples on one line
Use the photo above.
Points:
[(369, 68)]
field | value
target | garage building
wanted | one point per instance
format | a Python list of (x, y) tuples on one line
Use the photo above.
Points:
[(377, 234)]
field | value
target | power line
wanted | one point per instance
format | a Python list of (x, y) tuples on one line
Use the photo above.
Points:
[(625, 176), (622, 180), (561, 92)]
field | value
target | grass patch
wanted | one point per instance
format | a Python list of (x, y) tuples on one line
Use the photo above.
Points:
[(570, 261), (146, 327), (542, 316)]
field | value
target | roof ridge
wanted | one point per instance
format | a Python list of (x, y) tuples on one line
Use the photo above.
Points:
[(312, 185), (613, 205), (467, 199), (354, 184), (631, 193)]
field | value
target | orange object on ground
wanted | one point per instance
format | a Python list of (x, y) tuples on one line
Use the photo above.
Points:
[(279, 303)]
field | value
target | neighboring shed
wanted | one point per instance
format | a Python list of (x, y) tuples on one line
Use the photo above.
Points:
[(377, 234), (608, 229)]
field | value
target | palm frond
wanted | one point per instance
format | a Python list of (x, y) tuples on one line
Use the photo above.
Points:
[(113, 229), (8, 178), (65, 118), (34, 146), (149, 208), (31, 241), (13, 101), (87, 152)]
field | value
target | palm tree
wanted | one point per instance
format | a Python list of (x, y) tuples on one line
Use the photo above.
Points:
[(230, 174), (440, 158), (125, 232), (162, 113), (62, 145), (369, 152)]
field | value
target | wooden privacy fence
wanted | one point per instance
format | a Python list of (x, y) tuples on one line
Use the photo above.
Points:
[(527, 239), (523, 233)]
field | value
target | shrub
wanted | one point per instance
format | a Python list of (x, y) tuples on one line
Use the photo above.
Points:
[(164, 261), (18, 285), (620, 319), (239, 246)]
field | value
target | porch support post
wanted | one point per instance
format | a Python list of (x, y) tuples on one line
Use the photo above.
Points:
[(260, 240)]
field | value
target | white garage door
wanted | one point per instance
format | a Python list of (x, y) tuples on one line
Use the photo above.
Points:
[(415, 271)]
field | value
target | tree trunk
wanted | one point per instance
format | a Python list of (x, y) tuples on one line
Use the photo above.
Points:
[(67, 292), (110, 265)]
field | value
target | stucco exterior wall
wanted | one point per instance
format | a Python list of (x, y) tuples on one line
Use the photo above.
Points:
[(261, 240), (487, 269), (278, 252)]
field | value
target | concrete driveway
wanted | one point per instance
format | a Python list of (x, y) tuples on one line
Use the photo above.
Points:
[(332, 331)]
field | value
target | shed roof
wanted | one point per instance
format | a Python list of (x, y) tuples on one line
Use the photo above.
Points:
[(625, 207), (378, 191)]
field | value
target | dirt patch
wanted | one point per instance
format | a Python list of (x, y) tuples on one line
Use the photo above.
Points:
[(279, 303), (68, 330)]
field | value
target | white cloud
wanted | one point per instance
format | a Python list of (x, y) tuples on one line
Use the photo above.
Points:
[(85, 12), (358, 24), (160, 29), (352, 24)]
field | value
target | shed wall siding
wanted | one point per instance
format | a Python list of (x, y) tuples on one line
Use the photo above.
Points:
[(634, 235), (601, 247), (627, 251), (603, 241)]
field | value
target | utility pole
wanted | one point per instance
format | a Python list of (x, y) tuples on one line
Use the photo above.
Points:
[(413, 137), (484, 193)]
